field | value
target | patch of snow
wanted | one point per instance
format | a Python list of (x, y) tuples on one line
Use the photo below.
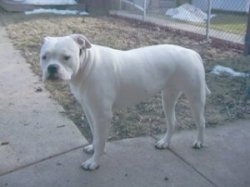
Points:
[(55, 11), (48, 2), (187, 12), (226, 71)]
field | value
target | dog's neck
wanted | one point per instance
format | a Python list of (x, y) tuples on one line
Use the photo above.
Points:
[(86, 64)]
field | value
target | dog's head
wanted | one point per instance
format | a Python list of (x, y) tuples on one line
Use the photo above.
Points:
[(60, 56)]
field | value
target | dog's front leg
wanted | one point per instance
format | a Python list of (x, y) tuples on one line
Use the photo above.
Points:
[(89, 149), (101, 122)]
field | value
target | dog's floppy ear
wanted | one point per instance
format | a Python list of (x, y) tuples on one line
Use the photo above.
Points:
[(81, 40), (46, 39)]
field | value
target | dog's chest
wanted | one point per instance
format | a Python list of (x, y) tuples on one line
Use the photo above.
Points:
[(77, 93)]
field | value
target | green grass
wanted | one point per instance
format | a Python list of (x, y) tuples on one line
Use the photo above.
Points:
[(230, 22), (224, 21)]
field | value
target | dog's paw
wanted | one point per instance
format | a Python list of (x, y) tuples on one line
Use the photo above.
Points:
[(162, 144), (90, 165), (197, 144), (89, 149)]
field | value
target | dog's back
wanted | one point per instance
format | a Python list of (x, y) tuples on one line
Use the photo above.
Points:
[(143, 72)]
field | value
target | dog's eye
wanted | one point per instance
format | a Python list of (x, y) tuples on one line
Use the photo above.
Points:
[(44, 57), (66, 57)]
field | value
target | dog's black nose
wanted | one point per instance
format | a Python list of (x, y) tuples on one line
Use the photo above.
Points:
[(53, 69)]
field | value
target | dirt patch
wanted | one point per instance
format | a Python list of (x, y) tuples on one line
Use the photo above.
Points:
[(223, 105)]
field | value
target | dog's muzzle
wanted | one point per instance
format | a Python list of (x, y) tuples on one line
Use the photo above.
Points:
[(53, 70)]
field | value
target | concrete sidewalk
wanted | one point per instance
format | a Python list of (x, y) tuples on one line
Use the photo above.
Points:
[(40, 147), (32, 126)]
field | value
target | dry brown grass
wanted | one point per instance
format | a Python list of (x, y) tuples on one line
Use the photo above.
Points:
[(146, 118)]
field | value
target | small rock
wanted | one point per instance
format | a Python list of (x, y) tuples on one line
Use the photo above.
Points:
[(39, 89), (5, 143), (58, 164), (60, 126), (166, 178)]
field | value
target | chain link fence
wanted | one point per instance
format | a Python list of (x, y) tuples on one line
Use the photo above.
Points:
[(221, 19)]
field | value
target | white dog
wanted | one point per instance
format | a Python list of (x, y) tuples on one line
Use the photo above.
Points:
[(103, 79)]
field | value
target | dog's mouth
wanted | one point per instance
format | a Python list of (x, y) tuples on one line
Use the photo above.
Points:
[(56, 73), (53, 77)]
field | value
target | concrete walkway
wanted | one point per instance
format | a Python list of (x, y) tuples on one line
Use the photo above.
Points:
[(40, 147), (32, 126)]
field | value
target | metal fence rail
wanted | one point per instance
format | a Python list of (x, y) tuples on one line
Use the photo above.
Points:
[(136, 4)]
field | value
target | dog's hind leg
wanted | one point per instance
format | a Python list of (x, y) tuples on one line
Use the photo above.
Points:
[(169, 99), (197, 104)]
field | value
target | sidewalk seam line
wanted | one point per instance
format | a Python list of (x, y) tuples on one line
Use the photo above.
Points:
[(190, 165), (195, 169), (42, 160)]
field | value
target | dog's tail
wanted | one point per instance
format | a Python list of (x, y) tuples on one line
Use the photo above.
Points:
[(208, 92)]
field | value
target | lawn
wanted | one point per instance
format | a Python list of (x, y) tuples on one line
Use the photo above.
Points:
[(233, 23), (229, 22)]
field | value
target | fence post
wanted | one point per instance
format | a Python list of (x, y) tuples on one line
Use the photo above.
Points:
[(120, 4), (247, 36), (208, 18), (144, 9)]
